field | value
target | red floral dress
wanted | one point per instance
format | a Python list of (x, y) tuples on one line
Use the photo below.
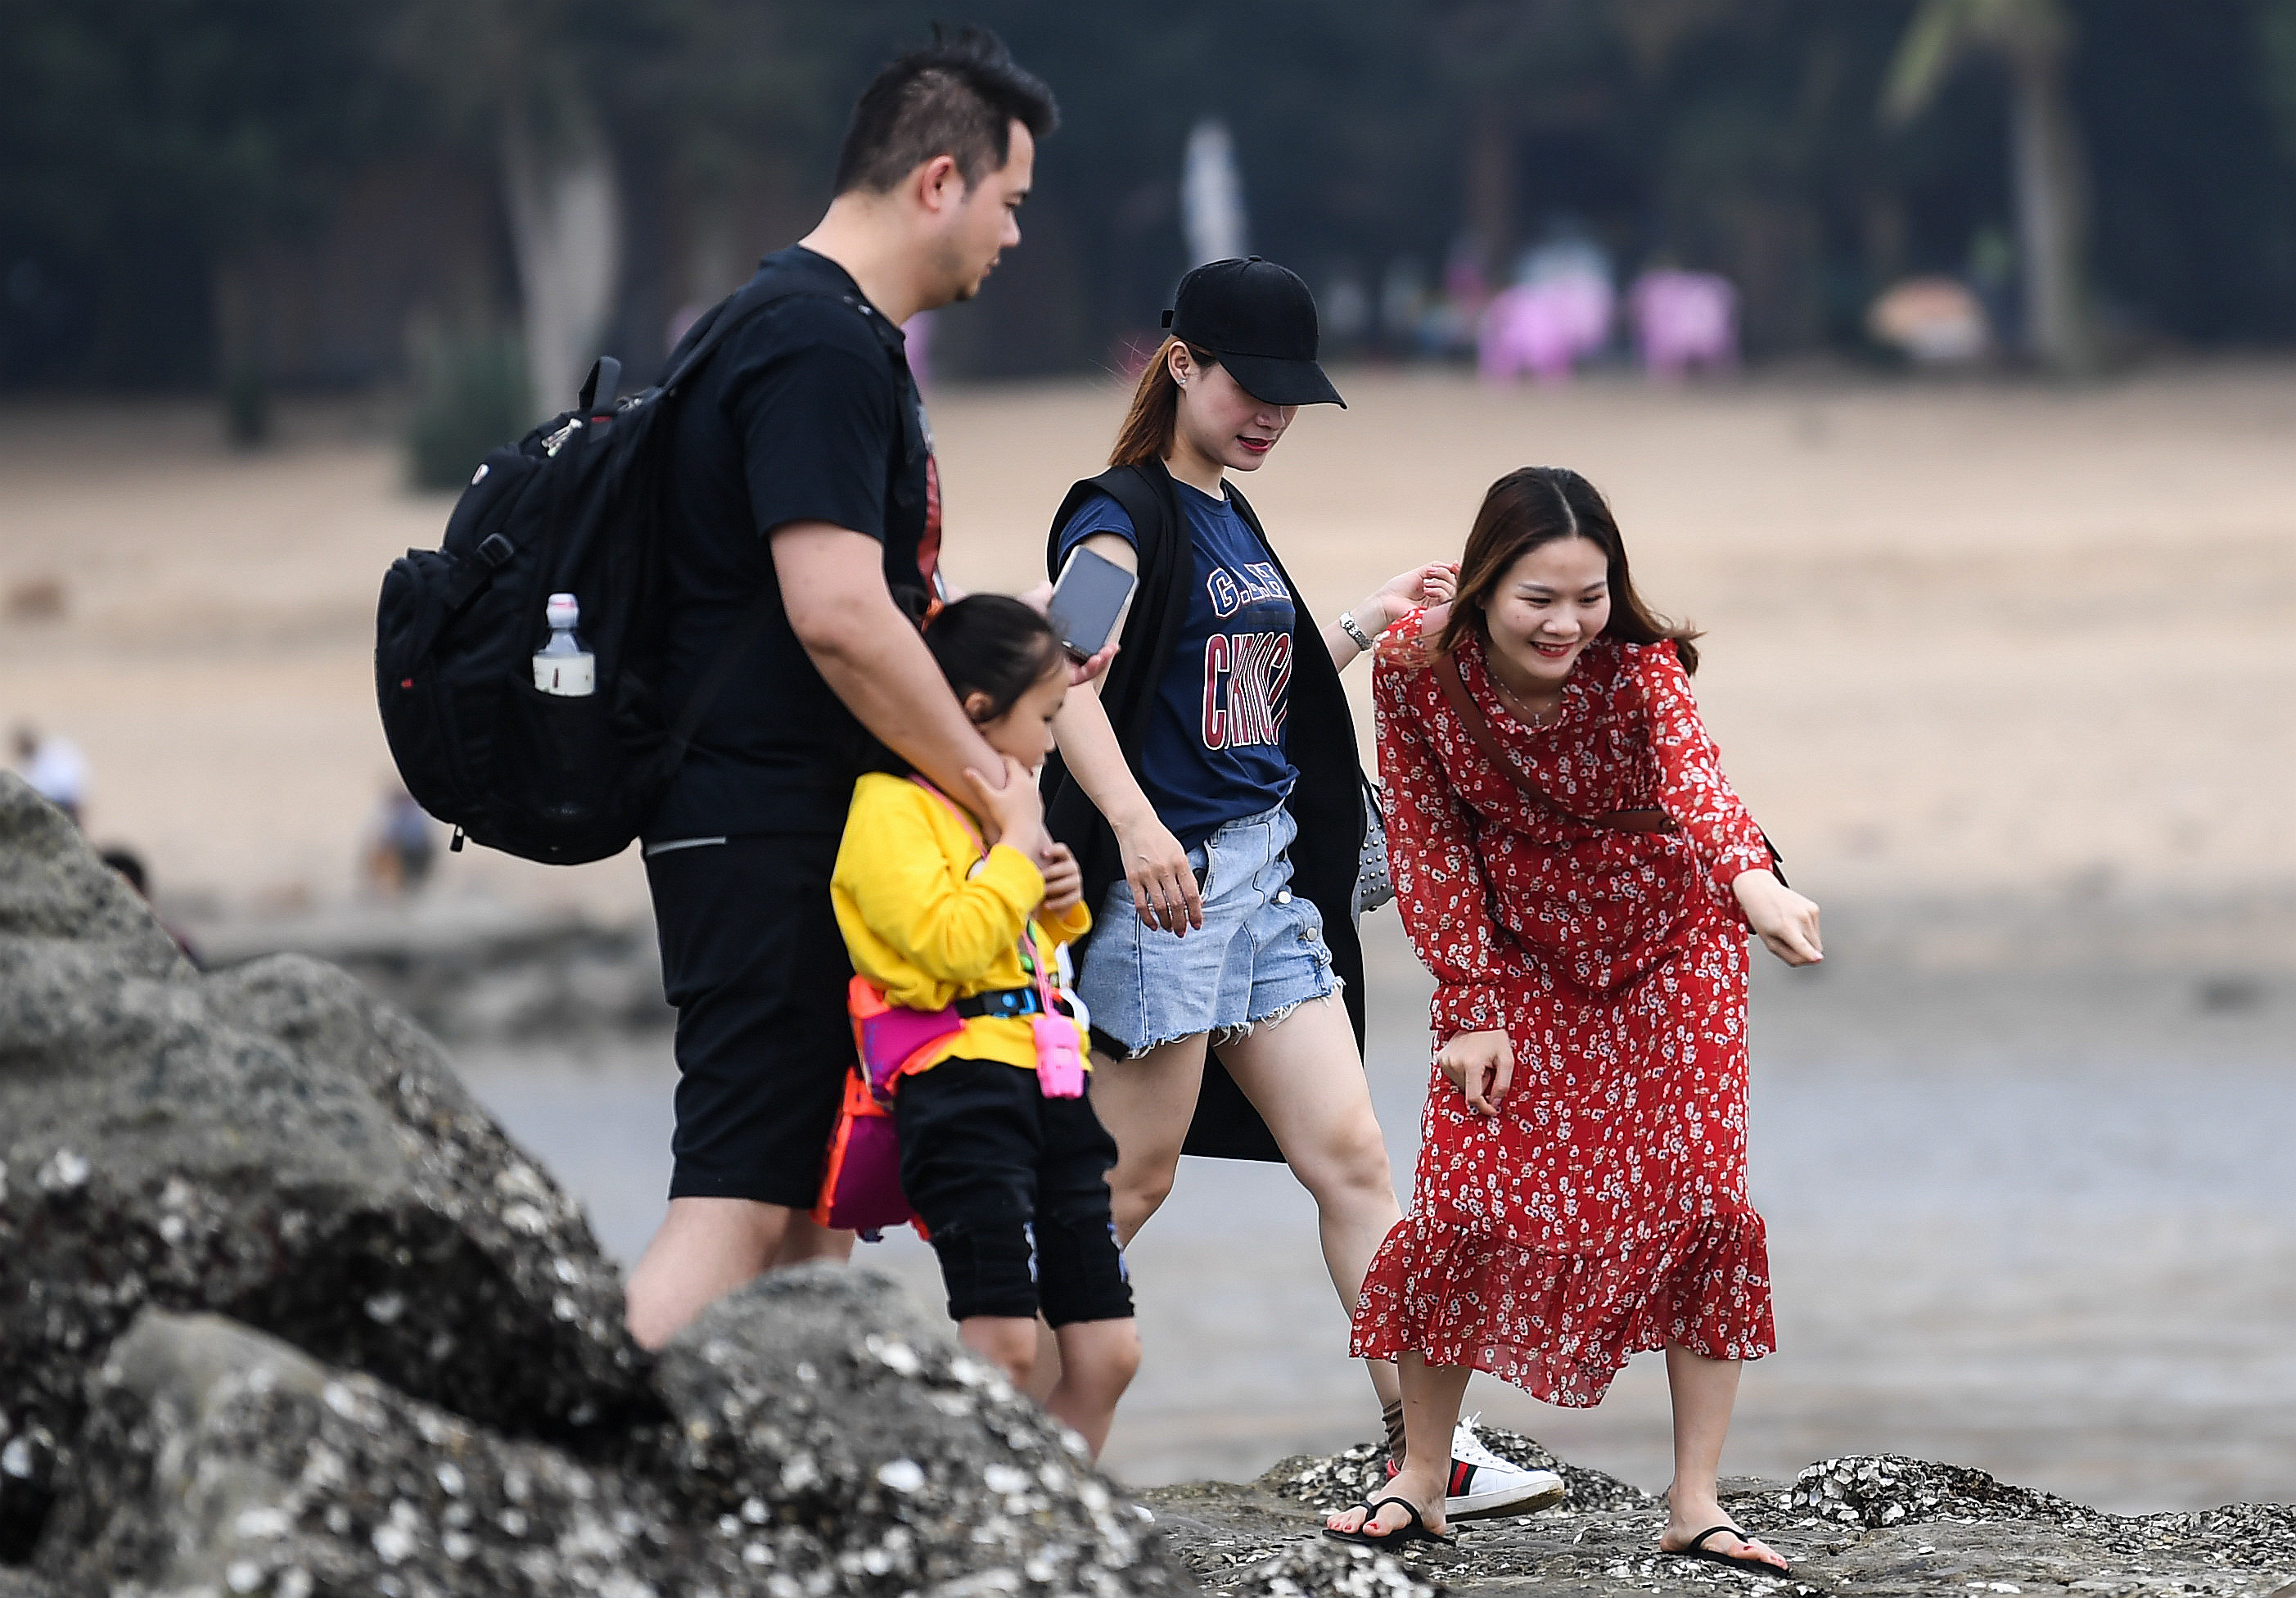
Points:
[(1604, 1210)]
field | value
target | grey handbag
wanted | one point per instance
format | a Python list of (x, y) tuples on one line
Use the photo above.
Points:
[(1375, 883)]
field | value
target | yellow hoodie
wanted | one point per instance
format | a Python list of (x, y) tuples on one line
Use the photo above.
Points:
[(929, 920)]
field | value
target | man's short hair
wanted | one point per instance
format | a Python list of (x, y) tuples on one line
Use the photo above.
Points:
[(957, 97)]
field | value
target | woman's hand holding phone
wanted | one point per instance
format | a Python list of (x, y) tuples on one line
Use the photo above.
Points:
[(1039, 599)]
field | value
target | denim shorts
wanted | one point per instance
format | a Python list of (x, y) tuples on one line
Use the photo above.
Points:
[(1259, 955)]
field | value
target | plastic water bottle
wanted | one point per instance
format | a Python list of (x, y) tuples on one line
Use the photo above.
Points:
[(564, 666)]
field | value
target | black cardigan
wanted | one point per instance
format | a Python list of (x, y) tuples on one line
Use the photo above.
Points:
[(1326, 801)]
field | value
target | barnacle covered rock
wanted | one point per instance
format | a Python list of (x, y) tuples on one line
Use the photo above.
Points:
[(1888, 1489), (271, 1143), (218, 1460), (214, 1459), (816, 1401), (1329, 1570)]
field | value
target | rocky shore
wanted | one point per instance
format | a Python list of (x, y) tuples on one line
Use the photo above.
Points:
[(283, 1311), (1883, 1526)]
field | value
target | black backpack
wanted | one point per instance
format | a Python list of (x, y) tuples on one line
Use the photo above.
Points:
[(577, 506)]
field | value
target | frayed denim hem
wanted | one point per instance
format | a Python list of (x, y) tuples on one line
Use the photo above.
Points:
[(1274, 1017), (1219, 1035)]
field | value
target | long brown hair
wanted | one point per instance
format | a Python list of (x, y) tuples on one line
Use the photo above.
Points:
[(1537, 504), (1154, 418)]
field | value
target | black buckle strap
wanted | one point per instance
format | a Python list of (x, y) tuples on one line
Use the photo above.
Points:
[(1009, 1002)]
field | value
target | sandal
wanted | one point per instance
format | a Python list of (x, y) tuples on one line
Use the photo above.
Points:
[(1413, 1530), (1697, 1549)]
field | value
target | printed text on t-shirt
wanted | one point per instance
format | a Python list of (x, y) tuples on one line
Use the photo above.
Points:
[(1245, 675), (1231, 592)]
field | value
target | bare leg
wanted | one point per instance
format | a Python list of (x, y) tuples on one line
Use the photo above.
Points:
[(1009, 1340), (706, 1247), (1705, 1391), (1098, 1359), (805, 1238), (1147, 1105), (1048, 1375), (1430, 1409), (1303, 1075)]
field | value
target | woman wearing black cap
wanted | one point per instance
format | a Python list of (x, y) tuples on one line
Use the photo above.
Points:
[(1212, 794)]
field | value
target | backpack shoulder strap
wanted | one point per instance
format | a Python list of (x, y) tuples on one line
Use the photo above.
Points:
[(759, 295)]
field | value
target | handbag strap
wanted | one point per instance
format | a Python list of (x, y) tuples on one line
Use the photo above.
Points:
[(1478, 729)]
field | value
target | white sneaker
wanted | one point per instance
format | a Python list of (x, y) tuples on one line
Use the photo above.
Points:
[(1483, 1485)]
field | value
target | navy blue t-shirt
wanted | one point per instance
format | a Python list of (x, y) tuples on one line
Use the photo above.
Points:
[(1214, 753)]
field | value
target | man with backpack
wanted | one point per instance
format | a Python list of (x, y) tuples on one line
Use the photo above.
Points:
[(803, 535)]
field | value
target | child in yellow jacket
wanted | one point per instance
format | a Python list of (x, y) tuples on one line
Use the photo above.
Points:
[(1002, 1156)]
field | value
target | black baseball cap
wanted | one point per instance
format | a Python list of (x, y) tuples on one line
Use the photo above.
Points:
[(1260, 320)]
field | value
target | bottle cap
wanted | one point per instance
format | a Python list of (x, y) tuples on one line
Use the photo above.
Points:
[(563, 612)]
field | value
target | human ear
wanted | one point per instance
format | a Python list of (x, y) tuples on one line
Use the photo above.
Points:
[(977, 708), (939, 183), (1182, 363)]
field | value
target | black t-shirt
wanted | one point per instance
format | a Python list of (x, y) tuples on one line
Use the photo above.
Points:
[(807, 413)]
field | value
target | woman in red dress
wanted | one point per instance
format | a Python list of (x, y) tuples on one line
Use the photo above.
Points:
[(1574, 868)]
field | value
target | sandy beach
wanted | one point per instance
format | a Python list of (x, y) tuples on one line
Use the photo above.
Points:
[(1963, 639), (2003, 669)]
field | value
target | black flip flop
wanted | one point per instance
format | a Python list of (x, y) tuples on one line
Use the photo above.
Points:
[(1697, 1549), (1413, 1530)]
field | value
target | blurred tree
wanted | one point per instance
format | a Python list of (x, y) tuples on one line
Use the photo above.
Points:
[(515, 82), (625, 138), (2275, 31), (2033, 38), (152, 146), (159, 150)]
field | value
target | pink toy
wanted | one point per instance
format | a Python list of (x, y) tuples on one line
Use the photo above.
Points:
[(1684, 319), (1545, 328)]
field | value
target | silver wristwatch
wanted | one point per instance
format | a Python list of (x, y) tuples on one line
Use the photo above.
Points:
[(1353, 629)]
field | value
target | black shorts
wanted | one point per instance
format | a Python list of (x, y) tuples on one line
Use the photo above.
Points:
[(1013, 1187), (752, 958)]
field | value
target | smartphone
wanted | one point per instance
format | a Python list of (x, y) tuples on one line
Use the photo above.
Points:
[(1088, 602)]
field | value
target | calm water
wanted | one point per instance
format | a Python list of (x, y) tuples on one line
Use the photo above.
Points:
[(2045, 1227)]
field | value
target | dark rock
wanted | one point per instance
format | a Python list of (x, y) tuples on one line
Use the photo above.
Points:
[(216, 1460), (474, 971), (1327, 1568), (269, 1142), (1885, 1489), (816, 1400), (1258, 1541), (1891, 1527)]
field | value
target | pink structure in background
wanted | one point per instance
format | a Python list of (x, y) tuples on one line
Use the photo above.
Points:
[(917, 334), (1684, 319), (1544, 328)]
